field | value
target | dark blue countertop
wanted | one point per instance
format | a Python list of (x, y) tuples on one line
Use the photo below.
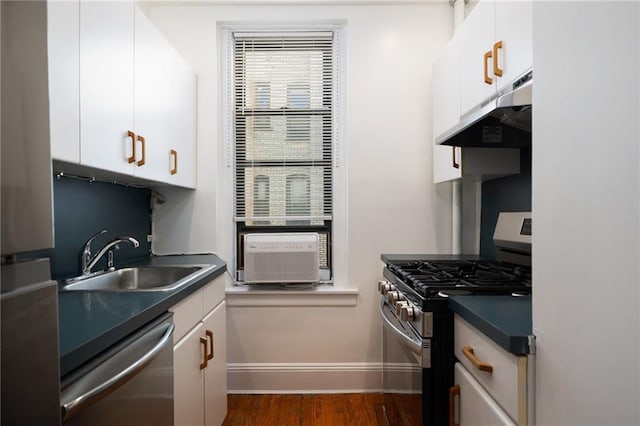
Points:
[(92, 321), (504, 319)]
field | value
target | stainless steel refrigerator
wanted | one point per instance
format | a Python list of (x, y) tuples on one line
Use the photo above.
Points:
[(29, 369)]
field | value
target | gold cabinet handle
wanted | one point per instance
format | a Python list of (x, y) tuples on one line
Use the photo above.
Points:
[(144, 150), (455, 164), (467, 351), (487, 79), (203, 341), (209, 334), (132, 135), (497, 71), (174, 154), (454, 391)]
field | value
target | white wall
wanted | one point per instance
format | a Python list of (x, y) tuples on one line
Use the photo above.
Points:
[(586, 191), (390, 202)]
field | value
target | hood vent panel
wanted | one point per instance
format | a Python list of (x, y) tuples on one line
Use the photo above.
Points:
[(504, 121)]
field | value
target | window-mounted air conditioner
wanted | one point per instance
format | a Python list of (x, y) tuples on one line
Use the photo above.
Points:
[(281, 258)]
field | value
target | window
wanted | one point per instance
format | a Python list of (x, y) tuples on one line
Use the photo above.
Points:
[(283, 127), (263, 102), (298, 199), (261, 197)]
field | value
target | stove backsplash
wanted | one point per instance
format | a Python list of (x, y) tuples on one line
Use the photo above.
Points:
[(508, 194), (81, 209)]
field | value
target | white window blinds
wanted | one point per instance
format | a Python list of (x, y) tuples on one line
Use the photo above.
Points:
[(283, 128)]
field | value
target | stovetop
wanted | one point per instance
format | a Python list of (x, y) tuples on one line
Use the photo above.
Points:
[(438, 279)]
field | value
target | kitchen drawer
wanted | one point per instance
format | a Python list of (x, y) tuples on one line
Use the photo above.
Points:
[(476, 406), (187, 314), (507, 382), (213, 294)]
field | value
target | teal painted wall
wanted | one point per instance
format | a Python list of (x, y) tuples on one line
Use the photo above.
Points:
[(507, 194), (83, 208)]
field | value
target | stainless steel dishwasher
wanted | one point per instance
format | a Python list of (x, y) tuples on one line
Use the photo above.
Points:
[(129, 384)]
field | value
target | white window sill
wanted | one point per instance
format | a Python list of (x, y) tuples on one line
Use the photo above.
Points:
[(315, 296)]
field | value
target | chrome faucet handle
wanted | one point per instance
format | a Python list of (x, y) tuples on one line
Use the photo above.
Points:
[(130, 240), (110, 266), (86, 252)]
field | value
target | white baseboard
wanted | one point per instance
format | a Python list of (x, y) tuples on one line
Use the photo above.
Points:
[(268, 378)]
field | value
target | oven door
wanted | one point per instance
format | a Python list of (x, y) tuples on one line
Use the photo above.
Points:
[(402, 377)]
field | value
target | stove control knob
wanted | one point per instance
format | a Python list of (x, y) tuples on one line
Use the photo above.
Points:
[(392, 297), (399, 305), (384, 287), (407, 313)]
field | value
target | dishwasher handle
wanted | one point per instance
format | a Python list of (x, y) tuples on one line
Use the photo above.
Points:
[(103, 388)]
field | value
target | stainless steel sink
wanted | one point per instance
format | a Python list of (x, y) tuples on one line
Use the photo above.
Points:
[(141, 278)]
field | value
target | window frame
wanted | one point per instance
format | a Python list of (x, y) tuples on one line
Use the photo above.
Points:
[(229, 239)]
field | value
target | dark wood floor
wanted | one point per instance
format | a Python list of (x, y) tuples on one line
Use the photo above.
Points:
[(306, 409)]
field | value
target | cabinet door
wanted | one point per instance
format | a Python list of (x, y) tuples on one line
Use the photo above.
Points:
[(63, 32), (182, 132), (188, 390), (153, 106), (164, 107), (215, 392), (476, 38), (446, 110), (445, 159), (514, 27), (446, 88), (476, 407), (504, 384), (106, 84)]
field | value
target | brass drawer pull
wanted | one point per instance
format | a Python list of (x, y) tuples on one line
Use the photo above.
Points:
[(132, 135), (487, 79), (204, 364), (454, 391), (209, 334), (174, 154), (144, 151), (496, 69), (467, 351)]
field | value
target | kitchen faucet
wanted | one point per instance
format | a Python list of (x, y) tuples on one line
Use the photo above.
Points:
[(89, 262)]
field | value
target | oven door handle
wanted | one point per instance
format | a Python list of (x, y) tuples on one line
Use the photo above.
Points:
[(415, 347), (84, 392)]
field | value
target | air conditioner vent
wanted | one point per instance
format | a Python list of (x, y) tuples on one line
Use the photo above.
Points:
[(281, 258)]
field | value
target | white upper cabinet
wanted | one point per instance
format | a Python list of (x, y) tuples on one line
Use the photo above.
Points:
[(446, 88), (496, 48), (491, 48), (446, 111), (514, 27), (63, 33), (476, 39), (106, 86), (122, 99), (164, 108)]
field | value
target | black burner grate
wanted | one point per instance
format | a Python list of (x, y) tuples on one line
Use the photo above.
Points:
[(440, 278)]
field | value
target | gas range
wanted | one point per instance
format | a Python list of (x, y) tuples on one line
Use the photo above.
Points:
[(418, 325)]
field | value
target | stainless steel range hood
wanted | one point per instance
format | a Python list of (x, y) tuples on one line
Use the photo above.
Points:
[(503, 121)]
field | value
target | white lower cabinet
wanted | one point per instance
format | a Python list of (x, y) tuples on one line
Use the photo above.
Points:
[(215, 375), (492, 385), (188, 382), (476, 407), (200, 357)]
